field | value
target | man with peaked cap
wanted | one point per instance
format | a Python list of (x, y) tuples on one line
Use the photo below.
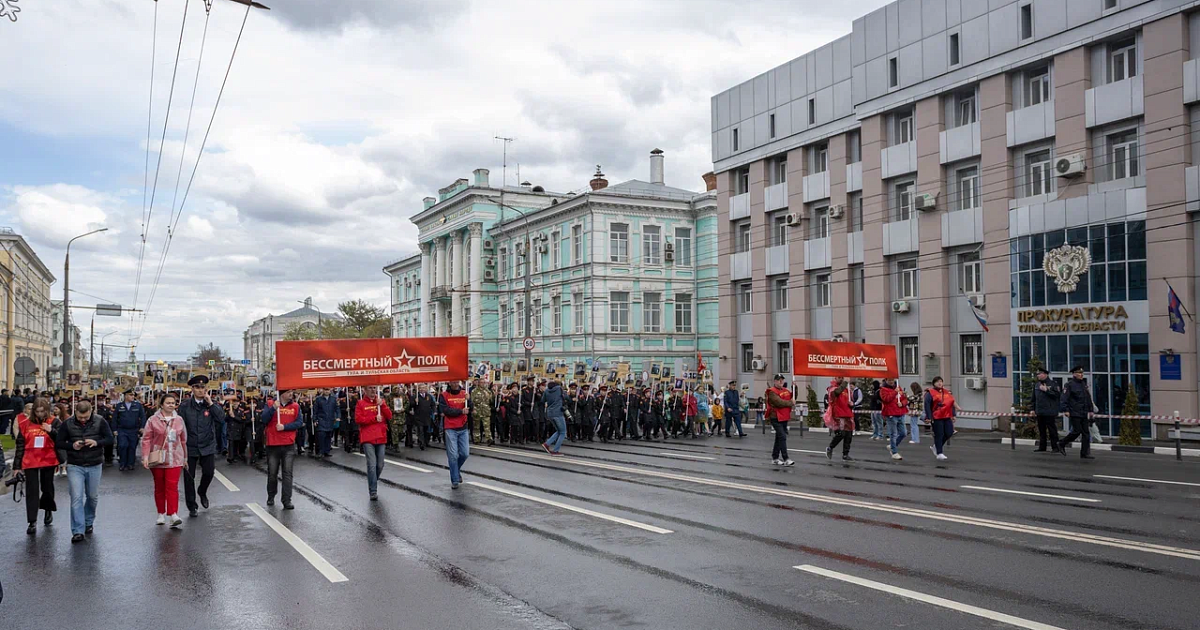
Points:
[(129, 416), (571, 407), (203, 421), (587, 412)]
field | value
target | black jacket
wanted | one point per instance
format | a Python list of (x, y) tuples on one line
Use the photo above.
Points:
[(73, 431), (1077, 399), (1049, 402), (422, 407), (203, 422)]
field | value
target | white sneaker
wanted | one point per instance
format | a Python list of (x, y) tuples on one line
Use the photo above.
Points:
[(942, 457), (896, 456), (176, 521), (933, 450), (777, 462), (788, 462), (162, 519)]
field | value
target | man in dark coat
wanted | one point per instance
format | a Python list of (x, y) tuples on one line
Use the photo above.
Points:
[(512, 414), (423, 406), (1047, 402), (129, 416), (1077, 403), (203, 420), (326, 413)]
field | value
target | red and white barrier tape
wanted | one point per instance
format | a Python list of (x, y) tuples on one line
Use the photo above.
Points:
[(1011, 414)]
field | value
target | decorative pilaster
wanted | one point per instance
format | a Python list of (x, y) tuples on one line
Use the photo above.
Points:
[(476, 280)]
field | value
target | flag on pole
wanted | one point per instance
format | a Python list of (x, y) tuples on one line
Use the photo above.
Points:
[(980, 315), (700, 367), (1174, 310)]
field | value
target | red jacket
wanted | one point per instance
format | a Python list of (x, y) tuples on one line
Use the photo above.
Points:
[(290, 416), (454, 409), (372, 418), (943, 403), (840, 404), (895, 403), (35, 446)]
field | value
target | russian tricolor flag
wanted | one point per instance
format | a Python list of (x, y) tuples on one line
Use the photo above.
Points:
[(980, 315)]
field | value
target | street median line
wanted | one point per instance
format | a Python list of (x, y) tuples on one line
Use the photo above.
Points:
[(572, 508), (225, 482), (1174, 483), (319, 563), (402, 464), (683, 456), (1031, 494)]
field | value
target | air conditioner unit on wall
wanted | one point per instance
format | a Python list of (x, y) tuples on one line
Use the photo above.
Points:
[(793, 219), (669, 256), (926, 202), (976, 383), (489, 244), (900, 306), (836, 212), (521, 249), (489, 275), (1072, 165), (554, 292), (543, 248), (979, 300), (838, 338), (758, 365), (490, 262)]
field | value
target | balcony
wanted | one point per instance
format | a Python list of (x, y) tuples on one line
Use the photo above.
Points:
[(854, 177), (816, 186), (438, 294), (1115, 101), (739, 206), (1031, 124), (854, 248), (900, 159), (817, 254), (1191, 180), (959, 143), (776, 196), (739, 266), (900, 237), (962, 227), (777, 260)]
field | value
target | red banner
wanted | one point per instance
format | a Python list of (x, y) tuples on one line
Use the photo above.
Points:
[(838, 358), (351, 362)]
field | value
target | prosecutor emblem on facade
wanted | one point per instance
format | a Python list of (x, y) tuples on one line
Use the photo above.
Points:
[(1066, 265)]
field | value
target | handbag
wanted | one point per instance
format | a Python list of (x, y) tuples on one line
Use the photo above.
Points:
[(158, 456)]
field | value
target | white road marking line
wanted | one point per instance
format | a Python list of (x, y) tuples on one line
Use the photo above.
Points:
[(615, 519), (928, 599), (1032, 494), (800, 450), (686, 456), (401, 464), (1174, 483), (225, 482), (314, 558), (1074, 536)]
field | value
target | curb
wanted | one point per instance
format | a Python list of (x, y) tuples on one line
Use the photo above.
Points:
[(1120, 448)]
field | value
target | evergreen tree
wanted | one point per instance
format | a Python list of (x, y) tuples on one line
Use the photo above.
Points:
[(1131, 428), (814, 409), (1025, 396)]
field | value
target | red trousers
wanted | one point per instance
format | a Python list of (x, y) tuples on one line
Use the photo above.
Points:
[(166, 489)]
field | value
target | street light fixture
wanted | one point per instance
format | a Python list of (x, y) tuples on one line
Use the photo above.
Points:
[(103, 369), (66, 348)]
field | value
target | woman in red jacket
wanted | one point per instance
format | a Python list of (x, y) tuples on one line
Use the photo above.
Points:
[(37, 460), (894, 408), (372, 415), (940, 408), (839, 417)]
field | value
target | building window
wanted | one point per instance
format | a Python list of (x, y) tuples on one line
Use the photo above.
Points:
[(742, 181), (743, 237), (537, 256), (652, 312), (556, 245), (909, 355), (683, 246), (505, 321), (971, 273), (747, 357), (812, 111), (577, 244), (577, 312), (1110, 5), (503, 263), (964, 108), (519, 314), (903, 130), (821, 223), (536, 318), (1037, 86), (1117, 274), (683, 312), (855, 201), (618, 243), (780, 293), (820, 158), (771, 124), (556, 315), (779, 228), (853, 147), (783, 350), (779, 169), (1039, 173), (745, 299), (823, 286), (903, 200), (651, 245), (1027, 21), (1123, 154), (1122, 60), (954, 52), (972, 354), (618, 312), (968, 188), (907, 269), (893, 72), (736, 140)]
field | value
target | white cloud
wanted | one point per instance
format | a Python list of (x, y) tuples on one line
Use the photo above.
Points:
[(58, 212)]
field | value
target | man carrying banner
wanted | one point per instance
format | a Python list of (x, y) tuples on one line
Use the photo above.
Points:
[(372, 415), (203, 421), (282, 421), (481, 410), (779, 412), (453, 404)]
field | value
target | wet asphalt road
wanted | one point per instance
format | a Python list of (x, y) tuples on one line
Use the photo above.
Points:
[(710, 538)]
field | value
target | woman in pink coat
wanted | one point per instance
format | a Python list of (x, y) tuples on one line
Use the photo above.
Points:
[(164, 453)]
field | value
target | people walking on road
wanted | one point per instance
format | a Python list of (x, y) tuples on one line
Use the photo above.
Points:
[(423, 406), (733, 410), (703, 412), (940, 408), (204, 421), (554, 412), (398, 402), (283, 420), (372, 416), (83, 436), (1047, 403), (1077, 403), (779, 405), (325, 409), (839, 417), (482, 405), (129, 416), (36, 458), (894, 409), (879, 427), (916, 412), (237, 429), (164, 454), (453, 405)]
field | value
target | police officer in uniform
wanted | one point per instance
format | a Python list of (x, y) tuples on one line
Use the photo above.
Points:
[(129, 417), (203, 420)]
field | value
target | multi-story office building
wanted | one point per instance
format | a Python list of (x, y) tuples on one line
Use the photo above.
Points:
[(948, 152), (617, 273), (25, 310), (405, 277), (258, 340)]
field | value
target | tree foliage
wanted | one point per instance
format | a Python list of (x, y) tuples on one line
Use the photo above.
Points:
[(814, 418), (1027, 428), (211, 352), (1131, 428)]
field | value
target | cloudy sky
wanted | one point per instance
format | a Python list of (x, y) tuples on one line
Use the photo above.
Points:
[(338, 117)]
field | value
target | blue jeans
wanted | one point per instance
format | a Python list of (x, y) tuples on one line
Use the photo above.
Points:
[(84, 482), (374, 453), (895, 426), (222, 438), (324, 441), (916, 428), (560, 432), (458, 448), (876, 424)]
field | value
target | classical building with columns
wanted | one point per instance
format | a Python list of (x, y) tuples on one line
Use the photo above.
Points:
[(1031, 159), (618, 273)]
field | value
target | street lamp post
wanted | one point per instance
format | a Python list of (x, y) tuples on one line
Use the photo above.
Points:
[(66, 364), (103, 369)]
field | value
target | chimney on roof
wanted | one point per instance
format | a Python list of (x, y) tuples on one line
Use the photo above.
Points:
[(710, 180), (656, 167), (481, 177), (429, 201), (598, 182)]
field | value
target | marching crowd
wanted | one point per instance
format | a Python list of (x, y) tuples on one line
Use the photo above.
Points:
[(179, 436)]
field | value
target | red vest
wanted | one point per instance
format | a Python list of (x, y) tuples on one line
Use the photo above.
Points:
[(366, 414), (782, 414), (841, 404), (943, 404), (456, 401), (36, 456), (286, 415)]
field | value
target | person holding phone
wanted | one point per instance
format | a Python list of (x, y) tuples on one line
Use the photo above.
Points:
[(83, 437), (164, 454), (36, 459)]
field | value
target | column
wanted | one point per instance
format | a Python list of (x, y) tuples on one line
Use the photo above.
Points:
[(476, 280), (933, 288), (426, 274), (456, 283), (440, 267)]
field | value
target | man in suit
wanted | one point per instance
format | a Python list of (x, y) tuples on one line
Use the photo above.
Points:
[(423, 406)]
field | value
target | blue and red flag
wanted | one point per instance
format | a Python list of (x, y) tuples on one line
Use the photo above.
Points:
[(1174, 310)]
